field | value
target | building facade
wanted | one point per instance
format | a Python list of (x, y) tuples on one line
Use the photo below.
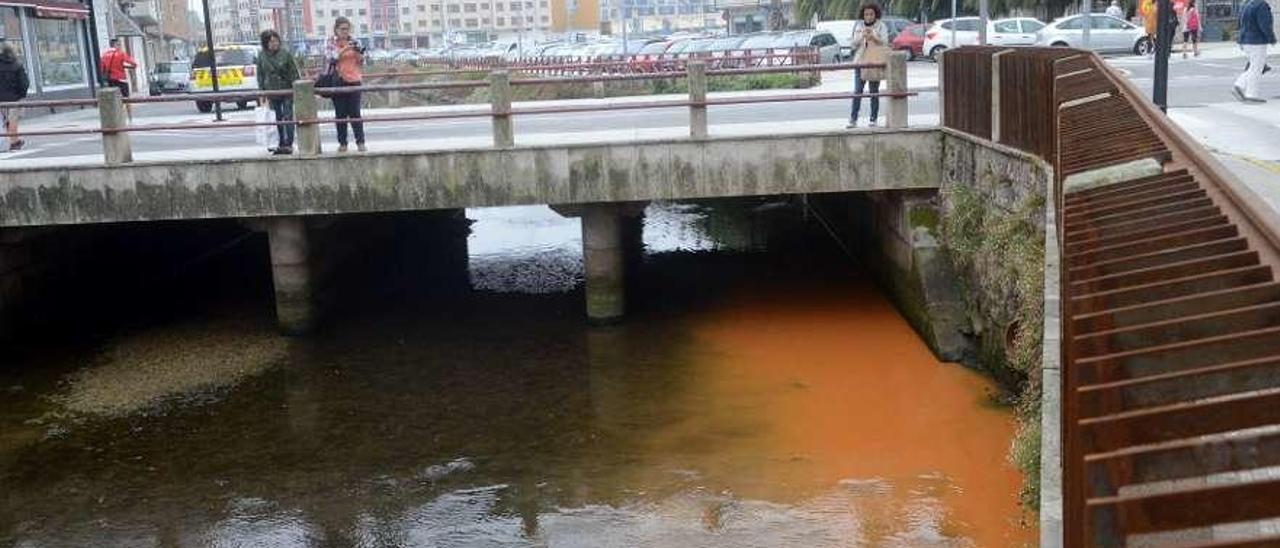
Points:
[(52, 41), (388, 24)]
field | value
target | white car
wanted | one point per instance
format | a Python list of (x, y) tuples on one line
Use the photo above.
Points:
[(1015, 31), (1105, 34)]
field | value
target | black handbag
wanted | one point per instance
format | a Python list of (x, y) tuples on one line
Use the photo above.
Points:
[(329, 79)]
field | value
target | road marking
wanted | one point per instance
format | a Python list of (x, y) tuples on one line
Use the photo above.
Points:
[(6, 155)]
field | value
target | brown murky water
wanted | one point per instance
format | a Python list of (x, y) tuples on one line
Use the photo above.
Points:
[(756, 399)]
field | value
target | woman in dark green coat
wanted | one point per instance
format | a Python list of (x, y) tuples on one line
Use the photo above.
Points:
[(277, 70)]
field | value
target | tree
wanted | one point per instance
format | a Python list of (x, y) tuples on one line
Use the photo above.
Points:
[(805, 10)]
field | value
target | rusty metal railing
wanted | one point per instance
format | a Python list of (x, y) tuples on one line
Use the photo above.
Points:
[(1171, 313), (116, 125)]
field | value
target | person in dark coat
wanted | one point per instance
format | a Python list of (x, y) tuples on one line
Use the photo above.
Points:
[(13, 88)]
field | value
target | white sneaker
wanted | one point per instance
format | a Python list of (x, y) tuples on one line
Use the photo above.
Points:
[(873, 123), (1239, 93), (853, 124)]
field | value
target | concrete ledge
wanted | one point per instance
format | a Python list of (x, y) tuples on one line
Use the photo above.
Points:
[(1111, 175), (669, 169), (1051, 387)]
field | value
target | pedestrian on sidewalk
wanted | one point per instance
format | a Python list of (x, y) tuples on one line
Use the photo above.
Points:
[(1256, 33), (277, 70), (114, 63), (13, 88), (346, 55), (1115, 10), (1147, 10), (870, 45), (1191, 29)]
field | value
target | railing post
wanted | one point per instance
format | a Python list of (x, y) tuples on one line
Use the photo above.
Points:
[(393, 96), (116, 148), (500, 94), (995, 95), (697, 74), (897, 75), (305, 112), (942, 89)]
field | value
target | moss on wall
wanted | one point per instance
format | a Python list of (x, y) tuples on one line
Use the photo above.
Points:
[(993, 229)]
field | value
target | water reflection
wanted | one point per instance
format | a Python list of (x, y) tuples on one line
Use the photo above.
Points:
[(790, 407)]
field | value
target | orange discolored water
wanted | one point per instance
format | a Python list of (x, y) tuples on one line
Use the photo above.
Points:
[(828, 397)]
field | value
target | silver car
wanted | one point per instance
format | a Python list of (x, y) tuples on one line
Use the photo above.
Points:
[(1105, 34)]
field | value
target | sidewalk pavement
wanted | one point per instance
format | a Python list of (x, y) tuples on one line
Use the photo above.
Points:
[(921, 77), (478, 142)]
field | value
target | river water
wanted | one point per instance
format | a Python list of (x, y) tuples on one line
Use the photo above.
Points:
[(763, 393)]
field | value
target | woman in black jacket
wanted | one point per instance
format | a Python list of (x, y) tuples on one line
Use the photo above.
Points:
[(13, 88)]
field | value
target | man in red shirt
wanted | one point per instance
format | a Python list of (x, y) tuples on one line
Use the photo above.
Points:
[(114, 63)]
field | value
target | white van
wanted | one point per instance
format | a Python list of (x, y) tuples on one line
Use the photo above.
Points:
[(843, 31)]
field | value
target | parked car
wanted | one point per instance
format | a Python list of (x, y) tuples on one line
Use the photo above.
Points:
[(237, 71), (1106, 34), (895, 25), (939, 37), (1014, 31), (826, 44), (843, 31), (911, 40), (171, 77)]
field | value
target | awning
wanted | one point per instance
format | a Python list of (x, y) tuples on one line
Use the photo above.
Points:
[(51, 8)]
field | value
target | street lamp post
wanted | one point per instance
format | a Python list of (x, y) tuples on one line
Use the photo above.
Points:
[(1086, 8), (1164, 44), (953, 24), (213, 58)]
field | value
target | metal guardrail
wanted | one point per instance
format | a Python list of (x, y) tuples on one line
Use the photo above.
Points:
[(1171, 312), (115, 126)]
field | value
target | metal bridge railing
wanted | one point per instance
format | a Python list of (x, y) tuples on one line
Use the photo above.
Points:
[(115, 126)]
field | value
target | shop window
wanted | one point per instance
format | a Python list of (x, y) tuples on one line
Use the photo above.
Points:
[(58, 52)]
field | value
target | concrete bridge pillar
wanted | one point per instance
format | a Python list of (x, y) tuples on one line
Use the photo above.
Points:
[(603, 253), (291, 274), (612, 244), (116, 148)]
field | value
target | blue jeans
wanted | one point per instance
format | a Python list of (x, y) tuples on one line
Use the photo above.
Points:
[(283, 107), (859, 86)]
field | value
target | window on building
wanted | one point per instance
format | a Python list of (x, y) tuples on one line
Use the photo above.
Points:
[(422, 8), (435, 23), (455, 23), (543, 3), (529, 19), (350, 12), (469, 8), (58, 52), (472, 23), (404, 11), (500, 6), (319, 14), (362, 12), (334, 13), (364, 29), (484, 7), (454, 8), (408, 28), (502, 21), (545, 19), (485, 21), (320, 29), (515, 6), (435, 8), (11, 33)]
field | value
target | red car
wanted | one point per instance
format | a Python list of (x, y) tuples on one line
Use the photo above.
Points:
[(911, 40)]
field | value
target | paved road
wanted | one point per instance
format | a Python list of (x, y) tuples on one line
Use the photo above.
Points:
[(1194, 83)]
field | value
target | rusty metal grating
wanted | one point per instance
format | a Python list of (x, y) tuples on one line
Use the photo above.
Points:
[(1171, 327), (1172, 343)]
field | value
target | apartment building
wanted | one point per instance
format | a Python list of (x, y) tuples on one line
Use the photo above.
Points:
[(428, 23)]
